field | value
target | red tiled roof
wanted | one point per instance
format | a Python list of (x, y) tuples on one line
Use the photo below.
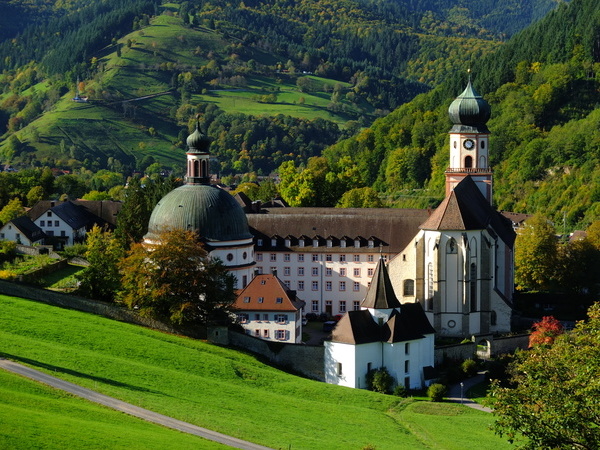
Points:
[(274, 294)]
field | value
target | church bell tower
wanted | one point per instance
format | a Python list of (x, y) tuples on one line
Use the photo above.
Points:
[(469, 142)]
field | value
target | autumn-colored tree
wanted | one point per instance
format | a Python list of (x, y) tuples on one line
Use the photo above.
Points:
[(545, 331), (101, 279), (176, 281), (553, 402)]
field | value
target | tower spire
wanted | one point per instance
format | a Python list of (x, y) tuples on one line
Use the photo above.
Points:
[(198, 156), (469, 138)]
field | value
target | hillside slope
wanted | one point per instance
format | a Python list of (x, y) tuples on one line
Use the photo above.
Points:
[(339, 63), (225, 390), (542, 86)]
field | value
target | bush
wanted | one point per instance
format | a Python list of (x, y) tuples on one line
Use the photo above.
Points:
[(400, 391), (469, 367), (379, 380), (74, 250), (436, 392)]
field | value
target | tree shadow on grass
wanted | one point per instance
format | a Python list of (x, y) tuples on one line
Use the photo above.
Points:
[(57, 369)]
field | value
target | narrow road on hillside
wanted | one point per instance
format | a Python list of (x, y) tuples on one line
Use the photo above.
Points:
[(127, 408)]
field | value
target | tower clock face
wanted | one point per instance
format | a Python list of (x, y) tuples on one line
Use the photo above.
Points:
[(468, 144)]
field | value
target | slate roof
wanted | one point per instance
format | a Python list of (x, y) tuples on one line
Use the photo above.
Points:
[(358, 327), (269, 288), (29, 229), (381, 293), (76, 216), (467, 209), (393, 227), (106, 210)]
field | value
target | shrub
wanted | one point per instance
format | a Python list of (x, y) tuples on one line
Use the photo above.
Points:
[(379, 380), (382, 381), (469, 367), (400, 391), (7, 275), (436, 392)]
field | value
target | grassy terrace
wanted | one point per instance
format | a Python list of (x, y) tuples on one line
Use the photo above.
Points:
[(210, 386)]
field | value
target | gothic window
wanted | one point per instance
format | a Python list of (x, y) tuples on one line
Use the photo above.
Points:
[(473, 287), (429, 300), (451, 246), (468, 162), (196, 168)]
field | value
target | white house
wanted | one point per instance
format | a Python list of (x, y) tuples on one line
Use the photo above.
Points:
[(383, 333), (268, 310), (22, 231), (66, 223)]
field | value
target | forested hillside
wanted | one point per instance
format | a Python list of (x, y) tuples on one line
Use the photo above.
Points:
[(543, 87), (339, 62)]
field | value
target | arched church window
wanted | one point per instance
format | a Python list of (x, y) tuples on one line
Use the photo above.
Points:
[(454, 144), (482, 162), (451, 246), (204, 169), (196, 169), (429, 299), (468, 162), (493, 318), (409, 287), (482, 144), (473, 286)]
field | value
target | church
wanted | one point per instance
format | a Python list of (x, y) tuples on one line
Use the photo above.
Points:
[(456, 262)]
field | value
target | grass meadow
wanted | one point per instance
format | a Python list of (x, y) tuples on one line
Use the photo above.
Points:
[(37, 416), (218, 388)]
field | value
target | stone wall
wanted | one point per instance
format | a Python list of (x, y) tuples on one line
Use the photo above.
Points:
[(458, 352), (307, 360), (36, 274), (505, 345)]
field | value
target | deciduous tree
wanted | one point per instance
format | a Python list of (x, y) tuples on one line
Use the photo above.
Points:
[(554, 401), (176, 281), (545, 331), (536, 252), (101, 279)]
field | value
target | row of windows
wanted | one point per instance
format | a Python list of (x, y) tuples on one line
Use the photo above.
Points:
[(280, 335), (314, 257), (287, 271), (279, 318), (329, 304), (44, 223), (316, 242)]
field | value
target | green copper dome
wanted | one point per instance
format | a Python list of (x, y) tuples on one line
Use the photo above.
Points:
[(210, 211), (469, 112)]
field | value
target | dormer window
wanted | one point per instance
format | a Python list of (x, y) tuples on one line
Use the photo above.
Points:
[(343, 243), (259, 242), (315, 242), (357, 243), (288, 243), (301, 243), (329, 243), (273, 242), (371, 243)]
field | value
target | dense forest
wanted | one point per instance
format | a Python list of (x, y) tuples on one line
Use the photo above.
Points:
[(365, 58), (542, 86)]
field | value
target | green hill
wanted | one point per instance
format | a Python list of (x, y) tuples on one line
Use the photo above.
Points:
[(542, 86), (322, 67), (214, 387)]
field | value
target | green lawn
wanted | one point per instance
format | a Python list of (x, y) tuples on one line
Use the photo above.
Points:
[(37, 416), (225, 390)]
